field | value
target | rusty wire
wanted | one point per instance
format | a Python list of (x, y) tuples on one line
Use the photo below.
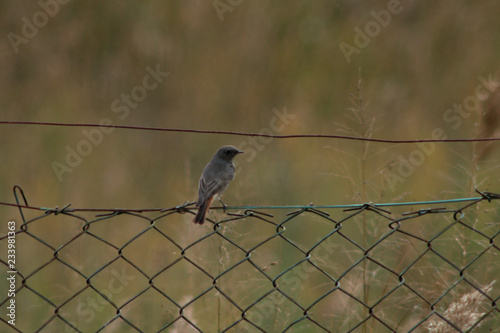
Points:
[(249, 134)]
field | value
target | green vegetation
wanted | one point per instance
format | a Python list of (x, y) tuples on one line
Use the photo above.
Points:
[(379, 69)]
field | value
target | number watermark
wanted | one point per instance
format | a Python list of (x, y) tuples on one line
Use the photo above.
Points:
[(11, 273)]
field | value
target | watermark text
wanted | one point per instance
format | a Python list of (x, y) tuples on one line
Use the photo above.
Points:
[(11, 273)]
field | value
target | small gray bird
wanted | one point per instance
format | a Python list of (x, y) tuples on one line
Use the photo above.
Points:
[(214, 180)]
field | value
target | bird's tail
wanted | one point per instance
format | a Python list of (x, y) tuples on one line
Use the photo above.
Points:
[(202, 211)]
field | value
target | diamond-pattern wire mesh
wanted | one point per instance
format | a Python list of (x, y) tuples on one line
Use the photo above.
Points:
[(423, 268)]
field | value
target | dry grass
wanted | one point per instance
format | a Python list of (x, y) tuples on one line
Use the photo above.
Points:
[(230, 75), (462, 314)]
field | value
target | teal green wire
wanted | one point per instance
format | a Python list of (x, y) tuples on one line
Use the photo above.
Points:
[(391, 204)]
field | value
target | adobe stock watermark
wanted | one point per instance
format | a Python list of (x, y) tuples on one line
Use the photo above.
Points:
[(294, 279), (255, 144), (121, 108), (371, 29), (454, 116), (30, 25), (223, 6), (89, 308), (11, 272)]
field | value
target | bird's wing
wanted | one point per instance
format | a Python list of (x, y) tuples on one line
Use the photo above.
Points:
[(211, 184)]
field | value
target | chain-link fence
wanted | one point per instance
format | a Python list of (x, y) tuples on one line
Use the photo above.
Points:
[(412, 267)]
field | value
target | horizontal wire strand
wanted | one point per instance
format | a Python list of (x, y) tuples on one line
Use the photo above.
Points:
[(142, 210), (275, 136)]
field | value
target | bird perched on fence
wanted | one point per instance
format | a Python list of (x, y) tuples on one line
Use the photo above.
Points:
[(214, 180)]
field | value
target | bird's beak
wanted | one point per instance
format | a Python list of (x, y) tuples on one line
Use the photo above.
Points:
[(240, 152)]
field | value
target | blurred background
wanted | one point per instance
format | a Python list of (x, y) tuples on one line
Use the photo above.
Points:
[(228, 67), (381, 69)]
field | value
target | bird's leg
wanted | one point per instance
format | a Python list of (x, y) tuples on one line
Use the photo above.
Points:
[(224, 207)]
